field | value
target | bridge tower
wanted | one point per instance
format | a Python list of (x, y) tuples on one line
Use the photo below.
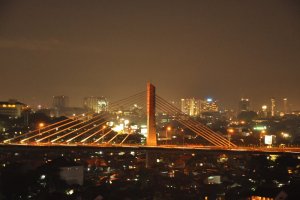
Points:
[(151, 126)]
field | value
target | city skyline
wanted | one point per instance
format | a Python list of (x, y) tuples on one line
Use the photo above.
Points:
[(281, 104), (224, 50), (149, 99), (274, 106)]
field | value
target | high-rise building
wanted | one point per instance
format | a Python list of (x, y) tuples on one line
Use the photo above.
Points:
[(273, 107), (195, 107), (285, 105), (60, 102), (60, 105), (244, 105), (191, 106), (209, 105), (96, 104), (264, 111)]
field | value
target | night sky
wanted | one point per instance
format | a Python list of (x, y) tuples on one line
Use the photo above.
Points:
[(220, 49)]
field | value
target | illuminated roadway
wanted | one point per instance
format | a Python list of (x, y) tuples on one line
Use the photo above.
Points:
[(293, 150), (89, 125)]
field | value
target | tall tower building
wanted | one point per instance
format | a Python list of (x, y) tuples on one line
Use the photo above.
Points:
[(264, 111), (285, 105), (96, 104), (191, 106), (273, 107), (244, 105), (60, 102)]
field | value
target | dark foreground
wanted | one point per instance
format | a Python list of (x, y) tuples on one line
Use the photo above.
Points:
[(105, 173)]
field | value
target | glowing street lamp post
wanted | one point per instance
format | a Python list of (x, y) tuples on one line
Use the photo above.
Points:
[(167, 129), (103, 128), (41, 125), (182, 131), (230, 131)]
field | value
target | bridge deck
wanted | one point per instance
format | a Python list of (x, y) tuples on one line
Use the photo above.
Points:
[(293, 150)]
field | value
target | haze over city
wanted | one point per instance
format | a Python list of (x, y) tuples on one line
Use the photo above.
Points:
[(157, 99), (220, 49)]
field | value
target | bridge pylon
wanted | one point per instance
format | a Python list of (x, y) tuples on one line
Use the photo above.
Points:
[(151, 126)]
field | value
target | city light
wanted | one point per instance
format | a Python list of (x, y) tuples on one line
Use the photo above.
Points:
[(209, 100), (126, 122), (221, 119), (41, 125), (260, 128), (230, 130), (285, 135)]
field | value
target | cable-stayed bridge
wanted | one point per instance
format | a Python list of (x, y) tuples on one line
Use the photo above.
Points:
[(98, 130)]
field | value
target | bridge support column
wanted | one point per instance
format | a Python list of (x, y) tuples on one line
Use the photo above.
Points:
[(151, 137)]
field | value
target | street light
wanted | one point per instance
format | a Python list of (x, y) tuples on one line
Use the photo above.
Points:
[(41, 125), (230, 131), (103, 128), (167, 129)]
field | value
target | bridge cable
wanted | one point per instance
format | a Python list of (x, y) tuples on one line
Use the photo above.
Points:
[(212, 136)]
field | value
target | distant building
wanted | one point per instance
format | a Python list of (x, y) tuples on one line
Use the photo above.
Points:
[(191, 106), (273, 107), (285, 106), (59, 105), (96, 104), (244, 105), (69, 111), (264, 111), (195, 107), (209, 105), (60, 102), (11, 108)]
